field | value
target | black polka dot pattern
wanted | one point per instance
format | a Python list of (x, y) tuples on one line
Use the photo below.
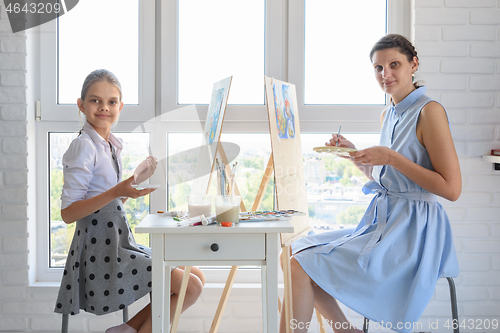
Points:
[(115, 270)]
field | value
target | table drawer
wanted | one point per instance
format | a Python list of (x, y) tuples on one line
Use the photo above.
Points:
[(215, 247)]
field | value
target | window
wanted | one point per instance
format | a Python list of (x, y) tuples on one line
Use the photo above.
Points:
[(337, 69), (228, 40), (122, 42), (318, 36), (112, 44), (61, 234), (190, 44), (255, 149), (333, 184)]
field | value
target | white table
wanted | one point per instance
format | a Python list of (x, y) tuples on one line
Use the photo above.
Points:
[(249, 243)]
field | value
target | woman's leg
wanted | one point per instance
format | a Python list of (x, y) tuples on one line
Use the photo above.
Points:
[(196, 271), (330, 309), (142, 320), (302, 300), (307, 295)]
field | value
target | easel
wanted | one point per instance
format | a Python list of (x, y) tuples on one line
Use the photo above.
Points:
[(286, 163), (223, 86), (285, 154), (285, 249)]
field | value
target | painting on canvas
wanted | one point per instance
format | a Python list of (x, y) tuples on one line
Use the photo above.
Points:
[(212, 127), (211, 136), (285, 115)]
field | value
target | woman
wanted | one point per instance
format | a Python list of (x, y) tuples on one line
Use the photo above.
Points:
[(387, 267)]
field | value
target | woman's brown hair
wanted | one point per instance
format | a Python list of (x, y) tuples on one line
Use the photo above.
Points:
[(399, 42)]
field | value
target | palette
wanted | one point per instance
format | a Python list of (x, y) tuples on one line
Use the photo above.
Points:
[(273, 215), (339, 151)]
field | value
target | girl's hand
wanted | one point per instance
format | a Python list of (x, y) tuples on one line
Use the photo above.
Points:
[(378, 155), (341, 140), (145, 169), (125, 189)]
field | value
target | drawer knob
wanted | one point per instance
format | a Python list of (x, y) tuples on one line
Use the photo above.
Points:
[(214, 247)]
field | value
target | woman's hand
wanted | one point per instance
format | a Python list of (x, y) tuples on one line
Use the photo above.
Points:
[(125, 189), (343, 142), (378, 155)]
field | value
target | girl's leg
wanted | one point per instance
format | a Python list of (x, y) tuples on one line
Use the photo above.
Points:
[(142, 316)]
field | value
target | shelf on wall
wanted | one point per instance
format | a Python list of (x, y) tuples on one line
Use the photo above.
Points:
[(491, 158), (495, 159)]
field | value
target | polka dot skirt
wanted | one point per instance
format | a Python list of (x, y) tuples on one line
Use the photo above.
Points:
[(106, 270)]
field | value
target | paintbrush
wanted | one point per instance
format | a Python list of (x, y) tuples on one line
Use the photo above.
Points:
[(338, 137)]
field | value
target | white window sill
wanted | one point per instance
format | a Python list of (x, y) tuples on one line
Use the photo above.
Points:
[(55, 285)]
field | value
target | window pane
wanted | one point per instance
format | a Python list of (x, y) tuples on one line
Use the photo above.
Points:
[(252, 159), (135, 149), (99, 34), (217, 39), (338, 38), (334, 184)]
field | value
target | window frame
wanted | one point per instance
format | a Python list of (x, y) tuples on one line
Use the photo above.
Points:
[(353, 118), (45, 273), (236, 114), (159, 113), (52, 111)]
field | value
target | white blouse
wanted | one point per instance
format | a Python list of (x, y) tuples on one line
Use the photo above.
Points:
[(88, 166)]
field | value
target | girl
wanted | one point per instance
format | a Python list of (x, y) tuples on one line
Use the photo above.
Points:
[(387, 267), (106, 269)]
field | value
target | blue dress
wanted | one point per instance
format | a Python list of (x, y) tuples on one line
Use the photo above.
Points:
[(386, 268)]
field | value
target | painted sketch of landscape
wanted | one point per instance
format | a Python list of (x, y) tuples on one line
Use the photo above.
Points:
[(283, 106), (212, 126)]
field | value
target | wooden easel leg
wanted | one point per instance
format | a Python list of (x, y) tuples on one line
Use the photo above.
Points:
[(223, 299), (320, 321), (287, 297), (180, 299), (263, 184)]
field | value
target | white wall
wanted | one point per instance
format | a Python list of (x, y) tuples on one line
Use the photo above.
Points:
[(459, 47)]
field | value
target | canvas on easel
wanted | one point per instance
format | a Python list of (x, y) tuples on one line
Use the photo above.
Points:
[(288, 168), (287, 157), (211, 144), (211, 148)]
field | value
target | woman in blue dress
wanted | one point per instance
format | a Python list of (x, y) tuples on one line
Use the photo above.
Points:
[(387, 267)]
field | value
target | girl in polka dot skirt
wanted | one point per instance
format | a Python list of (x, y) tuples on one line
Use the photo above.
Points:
[(106, 269)]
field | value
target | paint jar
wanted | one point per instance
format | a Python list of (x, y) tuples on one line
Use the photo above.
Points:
[(227, 208), (199, 204)]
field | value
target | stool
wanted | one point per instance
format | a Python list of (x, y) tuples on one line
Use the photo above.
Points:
[(65, 317), (454, 308)]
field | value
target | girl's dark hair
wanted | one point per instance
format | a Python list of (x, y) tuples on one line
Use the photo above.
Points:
[(100, 75), (399, 42)]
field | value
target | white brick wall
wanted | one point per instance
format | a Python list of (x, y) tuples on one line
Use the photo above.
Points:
[(13, 180), (463, 47), (459, 48)]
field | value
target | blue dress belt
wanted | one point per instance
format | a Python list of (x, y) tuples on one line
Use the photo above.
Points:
[(372, 187)]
